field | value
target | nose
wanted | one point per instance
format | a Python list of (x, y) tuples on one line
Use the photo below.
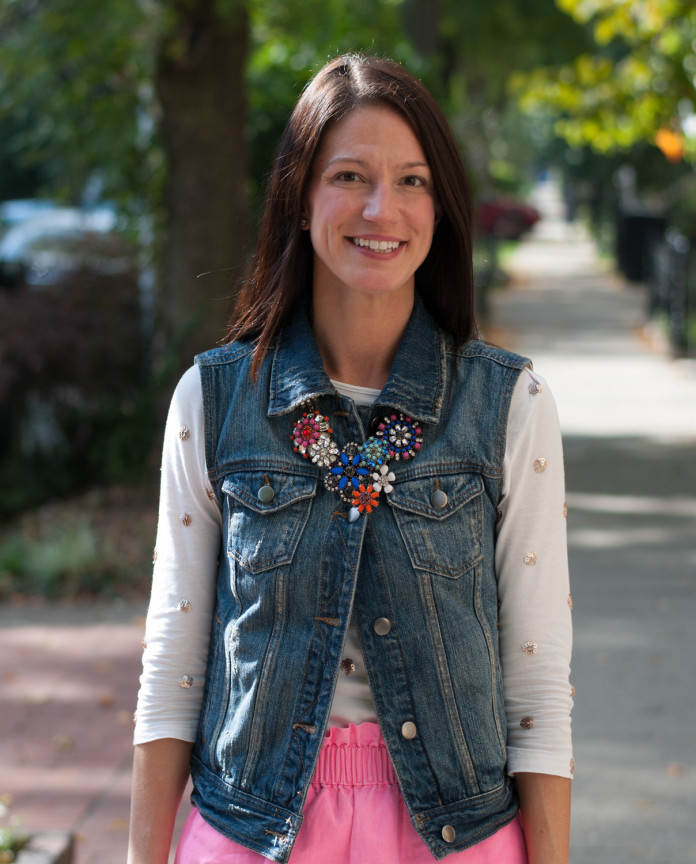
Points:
[(380, 204)]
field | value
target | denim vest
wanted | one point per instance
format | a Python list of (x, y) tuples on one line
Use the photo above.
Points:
[(419, 579)]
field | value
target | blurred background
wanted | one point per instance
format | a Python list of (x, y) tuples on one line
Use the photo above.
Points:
[(135, 136)]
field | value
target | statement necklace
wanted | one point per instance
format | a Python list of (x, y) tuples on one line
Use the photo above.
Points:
[(357, 472)]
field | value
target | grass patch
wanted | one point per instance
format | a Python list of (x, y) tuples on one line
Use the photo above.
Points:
[(98, 544)]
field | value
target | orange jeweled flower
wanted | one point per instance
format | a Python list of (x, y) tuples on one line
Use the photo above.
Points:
[(365, 499)]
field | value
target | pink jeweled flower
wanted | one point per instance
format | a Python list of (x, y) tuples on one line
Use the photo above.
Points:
[(307, 431)]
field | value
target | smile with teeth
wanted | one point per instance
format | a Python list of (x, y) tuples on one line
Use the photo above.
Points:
[(376, 245)]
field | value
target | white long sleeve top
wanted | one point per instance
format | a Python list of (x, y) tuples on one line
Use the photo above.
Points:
[(531, 566)]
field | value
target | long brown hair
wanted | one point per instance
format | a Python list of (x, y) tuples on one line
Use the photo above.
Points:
[(281, 271)]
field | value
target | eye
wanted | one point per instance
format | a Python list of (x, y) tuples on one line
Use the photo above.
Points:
[(415, 181), (347, 177)]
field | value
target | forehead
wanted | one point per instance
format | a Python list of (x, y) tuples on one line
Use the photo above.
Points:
[(376, 131)]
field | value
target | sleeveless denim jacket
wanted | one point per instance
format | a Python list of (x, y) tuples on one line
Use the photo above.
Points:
[(419, 579)]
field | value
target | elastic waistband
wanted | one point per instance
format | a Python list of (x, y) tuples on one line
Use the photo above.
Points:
[(354, 756)]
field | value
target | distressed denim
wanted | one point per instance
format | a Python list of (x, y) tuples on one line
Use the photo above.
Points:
[(293, 570)]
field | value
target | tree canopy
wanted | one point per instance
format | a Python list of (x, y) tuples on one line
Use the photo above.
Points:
[(637, 84)]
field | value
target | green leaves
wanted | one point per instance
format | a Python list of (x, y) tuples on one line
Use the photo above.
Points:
[(640, 79)]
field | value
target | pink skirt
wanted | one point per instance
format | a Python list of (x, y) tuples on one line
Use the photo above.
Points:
[(353, 814)]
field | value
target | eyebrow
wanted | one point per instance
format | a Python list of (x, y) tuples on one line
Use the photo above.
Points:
[(364, 164)]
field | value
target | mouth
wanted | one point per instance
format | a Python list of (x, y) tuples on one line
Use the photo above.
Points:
[(376, 245)]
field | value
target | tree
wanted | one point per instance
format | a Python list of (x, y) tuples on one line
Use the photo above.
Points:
[(148, 98), (199, 83)]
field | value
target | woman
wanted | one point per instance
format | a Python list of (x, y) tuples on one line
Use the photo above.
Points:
[(381, 498)]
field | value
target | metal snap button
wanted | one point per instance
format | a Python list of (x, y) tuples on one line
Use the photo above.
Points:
[(382, 626), (265, 494), (439, 499), (449, 835), (409, 730)]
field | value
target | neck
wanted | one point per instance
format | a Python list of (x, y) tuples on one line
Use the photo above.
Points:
[(358, 337)]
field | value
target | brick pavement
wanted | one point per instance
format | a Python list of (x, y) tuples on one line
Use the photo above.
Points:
[(68, 685)]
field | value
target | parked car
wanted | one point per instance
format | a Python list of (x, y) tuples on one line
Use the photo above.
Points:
[(48, 247), (505, 218), (19, 210)]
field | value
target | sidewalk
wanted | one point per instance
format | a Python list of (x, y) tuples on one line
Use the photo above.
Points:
[(69, 675), (628, 416)]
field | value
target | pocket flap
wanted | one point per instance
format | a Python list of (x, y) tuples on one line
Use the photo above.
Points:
[(415, 496), (287, 487)]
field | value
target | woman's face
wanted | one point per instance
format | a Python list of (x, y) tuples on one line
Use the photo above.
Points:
[(370, 206)]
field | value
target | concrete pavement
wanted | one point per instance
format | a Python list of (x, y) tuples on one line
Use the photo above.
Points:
[(628, 416), (69, 675)]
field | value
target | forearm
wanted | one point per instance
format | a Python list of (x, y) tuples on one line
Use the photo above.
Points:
[(545, 808), (160, 772)]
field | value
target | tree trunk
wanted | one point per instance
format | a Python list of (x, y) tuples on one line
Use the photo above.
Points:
[(200, 86)]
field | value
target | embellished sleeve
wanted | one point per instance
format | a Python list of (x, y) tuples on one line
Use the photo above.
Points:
[(533, 586), (177, 632)]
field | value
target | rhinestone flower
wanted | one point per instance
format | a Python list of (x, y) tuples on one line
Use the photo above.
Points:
[(323, 451), (527, 722), (382, 479), (186, 681), (534, 388), (402, 436)]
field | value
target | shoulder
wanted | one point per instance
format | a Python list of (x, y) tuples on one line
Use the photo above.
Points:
[(226, 354), (532, 406), (478, 351)]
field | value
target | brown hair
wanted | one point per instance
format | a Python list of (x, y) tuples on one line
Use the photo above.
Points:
[(281, 271)]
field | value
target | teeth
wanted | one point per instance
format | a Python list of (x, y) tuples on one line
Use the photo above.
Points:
[(377, 245)]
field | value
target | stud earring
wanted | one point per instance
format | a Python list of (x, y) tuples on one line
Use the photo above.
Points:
[(304, 224)]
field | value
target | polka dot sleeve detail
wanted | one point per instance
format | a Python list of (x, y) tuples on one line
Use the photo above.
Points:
[(533, 585), (184, 577)]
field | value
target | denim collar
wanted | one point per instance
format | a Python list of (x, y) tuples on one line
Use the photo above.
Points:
[(416, 383)]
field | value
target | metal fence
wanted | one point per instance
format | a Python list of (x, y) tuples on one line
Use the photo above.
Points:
[(672, 281)]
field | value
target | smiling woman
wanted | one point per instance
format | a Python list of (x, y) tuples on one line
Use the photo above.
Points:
[(362, 521), (366, 207), (371, 213)]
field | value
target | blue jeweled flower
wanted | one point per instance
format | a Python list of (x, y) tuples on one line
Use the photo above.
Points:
[(402, 436), (349, 470), (373, 453)]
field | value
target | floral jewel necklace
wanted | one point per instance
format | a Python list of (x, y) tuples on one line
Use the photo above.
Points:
[(357, 472)]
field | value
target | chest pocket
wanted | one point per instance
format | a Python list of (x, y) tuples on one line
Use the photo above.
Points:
[(261, 533), (447, 539)]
